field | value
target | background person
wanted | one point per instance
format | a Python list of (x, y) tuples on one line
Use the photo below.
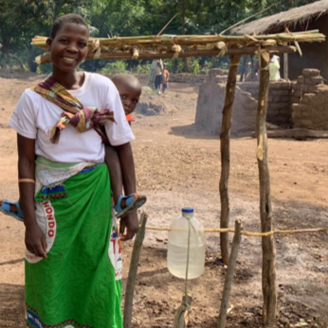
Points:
[(158, 76), (166, 76)]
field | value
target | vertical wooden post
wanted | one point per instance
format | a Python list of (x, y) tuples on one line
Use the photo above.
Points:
[(268, 247), (229, 275), (225, 154), (132, 276), (285, 73), (243, 72)]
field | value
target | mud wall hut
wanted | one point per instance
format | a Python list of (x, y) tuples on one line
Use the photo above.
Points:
[(313, 16)]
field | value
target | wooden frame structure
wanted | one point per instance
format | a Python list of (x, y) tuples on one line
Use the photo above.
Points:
[(159, 47), (181, 46)]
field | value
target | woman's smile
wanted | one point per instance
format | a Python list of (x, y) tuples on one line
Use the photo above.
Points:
[(69, 60)]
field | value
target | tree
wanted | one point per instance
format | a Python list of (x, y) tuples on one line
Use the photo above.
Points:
[(20, 20)]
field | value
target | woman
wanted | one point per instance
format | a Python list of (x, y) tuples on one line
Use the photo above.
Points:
[(73, 263), (158, 76)]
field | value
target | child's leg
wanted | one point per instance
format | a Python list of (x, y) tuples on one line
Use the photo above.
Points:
[(123, 204), (114, 168)]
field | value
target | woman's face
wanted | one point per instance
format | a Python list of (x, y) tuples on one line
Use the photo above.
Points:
[(69, 47)]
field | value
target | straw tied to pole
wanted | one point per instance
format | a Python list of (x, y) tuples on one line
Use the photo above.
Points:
[(157, 46)]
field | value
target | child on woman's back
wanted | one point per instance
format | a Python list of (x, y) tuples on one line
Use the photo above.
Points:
[(129, 89)]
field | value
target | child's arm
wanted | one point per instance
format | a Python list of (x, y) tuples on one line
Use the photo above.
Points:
[(130, 222), (35, 240)]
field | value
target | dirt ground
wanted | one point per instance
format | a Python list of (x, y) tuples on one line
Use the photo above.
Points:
[(178, 166)]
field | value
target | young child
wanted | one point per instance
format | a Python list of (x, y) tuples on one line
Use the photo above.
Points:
[(166, 75), (129, 89)]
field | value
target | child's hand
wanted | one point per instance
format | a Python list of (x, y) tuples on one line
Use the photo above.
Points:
[(129, 226)]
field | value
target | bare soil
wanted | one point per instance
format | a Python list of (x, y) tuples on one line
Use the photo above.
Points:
[(178, 165)]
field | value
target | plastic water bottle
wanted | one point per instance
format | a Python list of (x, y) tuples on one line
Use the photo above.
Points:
[(178, 246)]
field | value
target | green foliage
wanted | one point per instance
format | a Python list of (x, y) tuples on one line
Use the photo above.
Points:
[(44, 69), (141, 69), (114, 67), (207, 66), (194, 67), (175, 65), (21, 20)]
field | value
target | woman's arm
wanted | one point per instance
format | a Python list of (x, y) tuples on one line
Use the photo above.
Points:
[(130, 222), (34, 237)]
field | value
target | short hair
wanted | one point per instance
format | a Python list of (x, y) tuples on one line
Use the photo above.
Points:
[(69, 18), (126, 79)]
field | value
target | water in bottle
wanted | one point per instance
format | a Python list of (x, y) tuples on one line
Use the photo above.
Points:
[(178, 246)]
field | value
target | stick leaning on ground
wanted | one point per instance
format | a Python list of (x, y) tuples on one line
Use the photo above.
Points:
[(229, 275), (131, 282)]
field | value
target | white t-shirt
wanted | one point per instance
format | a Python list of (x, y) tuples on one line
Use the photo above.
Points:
[(35, 116)]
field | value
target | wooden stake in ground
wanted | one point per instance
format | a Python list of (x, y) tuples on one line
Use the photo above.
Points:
[(229, 275), (225, 154), (131, 282), (181, 316), (268, 246)]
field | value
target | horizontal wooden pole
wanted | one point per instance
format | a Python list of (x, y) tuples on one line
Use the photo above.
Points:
[(45, 58), (307, 36)]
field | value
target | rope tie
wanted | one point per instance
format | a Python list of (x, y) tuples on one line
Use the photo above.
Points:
[(252, 234), (265, 68)]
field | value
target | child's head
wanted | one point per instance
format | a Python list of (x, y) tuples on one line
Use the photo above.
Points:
[(68, 42), (129, 88)]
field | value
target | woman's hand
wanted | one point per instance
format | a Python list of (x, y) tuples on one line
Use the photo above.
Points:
[(129, 226), (35, 240)]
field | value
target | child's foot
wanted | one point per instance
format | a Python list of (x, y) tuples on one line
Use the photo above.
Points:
[(126, 204), (12, 209)]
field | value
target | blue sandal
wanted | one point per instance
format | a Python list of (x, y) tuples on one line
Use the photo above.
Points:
[(5, 209), (133, 202)]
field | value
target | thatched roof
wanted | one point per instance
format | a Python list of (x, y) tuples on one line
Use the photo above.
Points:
[(299, 16)]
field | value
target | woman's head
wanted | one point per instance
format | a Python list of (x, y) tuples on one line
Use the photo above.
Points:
[(68, 42), (69, 18)]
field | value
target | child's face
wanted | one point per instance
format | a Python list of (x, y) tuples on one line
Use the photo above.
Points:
[(69, 47), (129, 97)]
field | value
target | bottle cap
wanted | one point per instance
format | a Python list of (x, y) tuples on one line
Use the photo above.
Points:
[(187, 210)]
